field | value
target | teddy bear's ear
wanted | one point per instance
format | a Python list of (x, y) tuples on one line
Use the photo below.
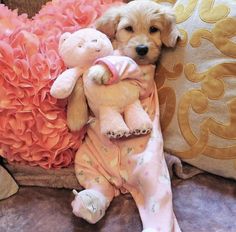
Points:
[(63, 37)]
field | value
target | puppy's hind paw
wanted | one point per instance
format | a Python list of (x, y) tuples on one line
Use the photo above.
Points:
[(142, 131), (146, 131), (118, 134)]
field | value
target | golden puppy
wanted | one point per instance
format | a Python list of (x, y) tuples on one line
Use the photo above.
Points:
[(139, 28)]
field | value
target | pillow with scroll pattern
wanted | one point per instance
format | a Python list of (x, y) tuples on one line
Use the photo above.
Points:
[(197, 86), (168, 3)]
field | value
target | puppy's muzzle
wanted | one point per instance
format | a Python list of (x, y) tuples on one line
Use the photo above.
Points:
[(142, 50)]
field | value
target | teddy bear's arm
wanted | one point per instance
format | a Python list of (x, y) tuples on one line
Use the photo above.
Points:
[(121, 67), (64, 84)]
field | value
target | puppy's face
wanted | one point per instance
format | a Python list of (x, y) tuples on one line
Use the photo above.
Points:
[(138, 34), (139, 29)]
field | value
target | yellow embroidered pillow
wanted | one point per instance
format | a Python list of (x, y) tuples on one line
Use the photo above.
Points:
[(197, 86), (166, 2)]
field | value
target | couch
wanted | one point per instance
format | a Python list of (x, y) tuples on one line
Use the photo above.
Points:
[(205, 202)]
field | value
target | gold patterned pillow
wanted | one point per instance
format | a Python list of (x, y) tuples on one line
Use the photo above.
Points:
[(166, 2), (197, 86)]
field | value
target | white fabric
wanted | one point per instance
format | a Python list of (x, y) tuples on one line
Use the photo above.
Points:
[(149, 230), (89, 205)]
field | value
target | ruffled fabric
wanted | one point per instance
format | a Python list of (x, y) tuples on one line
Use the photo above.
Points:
[(9, 21), (32, 123)]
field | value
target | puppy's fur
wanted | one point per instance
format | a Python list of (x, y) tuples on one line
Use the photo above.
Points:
[(149, 25), (138, 30), (140, 24)]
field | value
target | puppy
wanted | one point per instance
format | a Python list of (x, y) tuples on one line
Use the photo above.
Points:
[(139, 29), (105, 168)]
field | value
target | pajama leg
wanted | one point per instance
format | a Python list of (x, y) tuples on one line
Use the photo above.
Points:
[(153, 197), (92, 173), (150, 185), (91, 203)]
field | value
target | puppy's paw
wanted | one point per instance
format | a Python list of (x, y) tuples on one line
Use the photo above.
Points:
[(118, 134), (143, 130), (99, 74)]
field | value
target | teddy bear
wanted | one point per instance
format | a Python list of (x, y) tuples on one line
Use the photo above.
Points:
[(109, 84)]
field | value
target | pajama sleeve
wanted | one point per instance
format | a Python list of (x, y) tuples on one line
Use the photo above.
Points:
[(121, 67)]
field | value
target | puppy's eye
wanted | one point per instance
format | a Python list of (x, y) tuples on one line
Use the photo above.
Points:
[(153, 29), (129, 29)]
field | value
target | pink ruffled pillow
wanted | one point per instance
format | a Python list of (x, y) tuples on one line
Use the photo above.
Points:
[(32, 123)]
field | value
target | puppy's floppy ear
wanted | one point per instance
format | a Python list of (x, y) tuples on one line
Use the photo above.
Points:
[(108, 22), (169, 30)]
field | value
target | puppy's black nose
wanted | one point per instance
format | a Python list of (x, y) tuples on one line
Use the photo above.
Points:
[(142, 50)]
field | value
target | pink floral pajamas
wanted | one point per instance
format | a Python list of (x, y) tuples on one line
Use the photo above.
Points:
[(134, 165)]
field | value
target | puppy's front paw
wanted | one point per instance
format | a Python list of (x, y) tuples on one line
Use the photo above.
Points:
[(118, 134), (99, 73), (143, 130)]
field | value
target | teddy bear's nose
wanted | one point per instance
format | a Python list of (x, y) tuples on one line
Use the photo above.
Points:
[(94, 47)]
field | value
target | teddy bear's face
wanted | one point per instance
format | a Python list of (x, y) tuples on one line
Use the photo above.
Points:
[(83, 47)]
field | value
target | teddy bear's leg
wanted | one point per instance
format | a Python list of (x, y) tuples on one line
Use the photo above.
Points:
[(137, 119), (112, 123)]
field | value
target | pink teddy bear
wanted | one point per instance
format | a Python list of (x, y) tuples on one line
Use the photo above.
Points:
[(109, 83)]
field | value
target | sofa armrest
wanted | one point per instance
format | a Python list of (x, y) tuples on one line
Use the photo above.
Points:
[(25, 6), (31, 7)]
